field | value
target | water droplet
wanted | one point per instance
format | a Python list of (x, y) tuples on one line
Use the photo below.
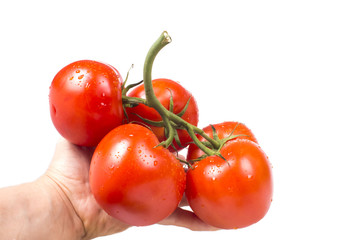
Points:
[(155, 163), (131, 135), (103, 94), (249, 176), (77, 71), (71, 78), (81, 76), (213, 178), (129, 148)]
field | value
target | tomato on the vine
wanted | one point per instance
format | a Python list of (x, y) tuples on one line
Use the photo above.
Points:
[(223, 130), (164, 89), (85, 101), (133, 181), (234, 193)]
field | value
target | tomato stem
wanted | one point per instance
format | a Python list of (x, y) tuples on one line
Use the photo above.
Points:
[(167, 116), (170, 121)]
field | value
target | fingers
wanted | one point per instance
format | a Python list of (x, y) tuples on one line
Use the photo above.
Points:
[(187, 219)]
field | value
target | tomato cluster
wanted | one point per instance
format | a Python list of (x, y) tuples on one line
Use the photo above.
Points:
[(136, 177)]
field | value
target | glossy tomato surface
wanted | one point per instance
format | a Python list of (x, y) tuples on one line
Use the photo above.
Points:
[(85, 101), (223, 130), (163, 89), (232, 194), (133, 181)]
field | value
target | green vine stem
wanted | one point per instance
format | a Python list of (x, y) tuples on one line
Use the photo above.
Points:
[(170, 120), (167, 116)]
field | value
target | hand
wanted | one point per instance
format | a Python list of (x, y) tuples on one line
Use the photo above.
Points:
[(69, 174)]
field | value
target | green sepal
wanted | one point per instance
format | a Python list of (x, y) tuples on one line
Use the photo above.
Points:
[(215, 135), (127, 88), (171, 104), (150, 122), (127, 77), (177, 139), (182, 112)]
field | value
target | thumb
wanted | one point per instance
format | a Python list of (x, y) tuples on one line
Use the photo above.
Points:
[(187, 219)]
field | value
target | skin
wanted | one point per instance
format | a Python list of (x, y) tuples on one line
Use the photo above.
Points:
[(62, 201)]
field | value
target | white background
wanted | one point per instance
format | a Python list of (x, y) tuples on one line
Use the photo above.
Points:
[(289, 70)]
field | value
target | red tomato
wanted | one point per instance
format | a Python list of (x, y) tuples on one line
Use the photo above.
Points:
[(85, 101), (133, 181), (223, 130), (232, 194), (163, 89)]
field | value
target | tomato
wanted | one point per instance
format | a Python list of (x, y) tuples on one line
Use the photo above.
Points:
[(163, 89), (234, 193), (223, 130), (133, 181), (85, 101)]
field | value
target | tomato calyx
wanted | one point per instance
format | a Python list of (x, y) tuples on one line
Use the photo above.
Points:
[(221, 141), (173, 124)]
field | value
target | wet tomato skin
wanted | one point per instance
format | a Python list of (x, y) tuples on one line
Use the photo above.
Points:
[(85, 101), (232, 194), (163, 89), (133, 181), (223, 130)]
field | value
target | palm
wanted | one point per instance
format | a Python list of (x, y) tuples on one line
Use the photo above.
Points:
[(70, 170)]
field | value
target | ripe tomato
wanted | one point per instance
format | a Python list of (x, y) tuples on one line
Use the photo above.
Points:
[(133, 181), (232, 194), (163, 89), (85, 101), (223, 130)]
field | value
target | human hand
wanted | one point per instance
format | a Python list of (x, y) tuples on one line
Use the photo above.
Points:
[(68, 173)]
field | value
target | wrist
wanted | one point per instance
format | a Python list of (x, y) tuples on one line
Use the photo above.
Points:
[(64, 222)]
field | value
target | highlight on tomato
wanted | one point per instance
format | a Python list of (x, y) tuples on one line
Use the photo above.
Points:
[(85, 101), (132, 179)]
